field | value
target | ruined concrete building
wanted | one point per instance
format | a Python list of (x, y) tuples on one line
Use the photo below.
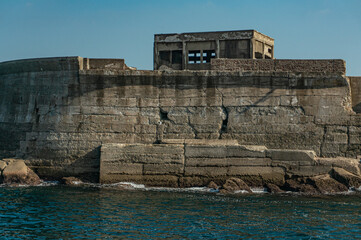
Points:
[(194, 51), (262, 120)]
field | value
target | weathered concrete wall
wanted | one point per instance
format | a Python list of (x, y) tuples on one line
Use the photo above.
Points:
[(57, 112)]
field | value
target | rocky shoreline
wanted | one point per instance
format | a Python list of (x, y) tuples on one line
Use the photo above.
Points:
[(321, 184), (14, 172)]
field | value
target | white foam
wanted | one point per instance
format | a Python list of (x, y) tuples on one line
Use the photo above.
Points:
[(168, 189), (259, 190), (41, 184), (48, 183), (128, 185), (241, 191)]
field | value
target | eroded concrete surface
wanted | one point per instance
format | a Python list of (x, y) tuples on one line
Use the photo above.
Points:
[(58, 113)]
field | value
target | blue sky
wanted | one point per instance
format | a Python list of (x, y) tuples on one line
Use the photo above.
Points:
[(315, 29)]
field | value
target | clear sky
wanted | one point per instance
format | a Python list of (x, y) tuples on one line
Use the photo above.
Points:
[(315, 29)]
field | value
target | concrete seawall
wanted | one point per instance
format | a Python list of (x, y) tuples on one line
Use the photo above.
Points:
[(58, 112)]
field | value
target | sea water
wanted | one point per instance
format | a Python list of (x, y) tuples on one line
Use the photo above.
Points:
[(109, 212)]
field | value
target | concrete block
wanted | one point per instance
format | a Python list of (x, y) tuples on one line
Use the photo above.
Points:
[(145, 138), (207, 128), (246, 151), (211, 142), (147, 102), (291, 155), (254, 170), (122, 128), (171, 128), (205, 151), (349, 164), (173, 141), (355, 139), (178, 135), (251, 101), (223, 162), (336, 138), (355, 130), (160, 180), (159, 169), (145, 128), (208, 135), (138, 148), (115, 167), (144, 158), (304, 171), (205, 171), (178, 119), (330, 149)]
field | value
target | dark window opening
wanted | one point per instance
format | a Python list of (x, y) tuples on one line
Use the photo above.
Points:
[(177, 57), (164, 55), (258, 55), (267, 57), (207, 55), (270, 50), (194, 57), (204, 57)]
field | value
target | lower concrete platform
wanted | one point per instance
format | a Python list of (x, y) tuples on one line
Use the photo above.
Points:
[(190, 163)]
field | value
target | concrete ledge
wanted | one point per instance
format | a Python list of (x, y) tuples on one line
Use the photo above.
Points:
[(284, 65), (103, 63), (208, 142), (60, 64), (291, 155)]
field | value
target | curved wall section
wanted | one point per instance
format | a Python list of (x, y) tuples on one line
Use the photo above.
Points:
[(30, 90)]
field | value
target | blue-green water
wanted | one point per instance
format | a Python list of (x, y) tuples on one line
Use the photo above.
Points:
[(59, 212)]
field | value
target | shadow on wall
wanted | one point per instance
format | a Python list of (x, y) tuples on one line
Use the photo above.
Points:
[(357, 108), (86, 167), (355, 83)]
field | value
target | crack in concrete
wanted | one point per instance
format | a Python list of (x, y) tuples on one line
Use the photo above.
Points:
[(192, 127), (224, 124), (323, 139)]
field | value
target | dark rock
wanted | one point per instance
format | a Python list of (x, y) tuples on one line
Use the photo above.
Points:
[(326, 184), (15, 171), (71, 181), (299, 185), (292, 185), (308, 189), (346, 178), (235, 184), (212, 185), (272, 188)]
